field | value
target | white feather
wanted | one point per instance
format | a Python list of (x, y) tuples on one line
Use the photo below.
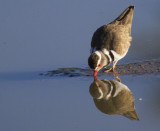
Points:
[(117, 56), (119, 89), (99, 60), (101, 94), (106, 52)]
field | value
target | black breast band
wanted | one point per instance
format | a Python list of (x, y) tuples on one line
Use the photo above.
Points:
[(111, 55)]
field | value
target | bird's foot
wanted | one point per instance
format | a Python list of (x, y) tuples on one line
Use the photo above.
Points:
[(116, 75), (118, 78), (108, 70)]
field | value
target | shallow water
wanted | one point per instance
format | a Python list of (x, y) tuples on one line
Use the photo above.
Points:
[(44, 103)]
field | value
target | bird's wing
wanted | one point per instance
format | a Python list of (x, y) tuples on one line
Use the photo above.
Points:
[(131, 115), (101, 39), (111, 37), (125, 18), (120, 39)]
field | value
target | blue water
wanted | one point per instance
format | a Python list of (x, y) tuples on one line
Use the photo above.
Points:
[(66, 104)]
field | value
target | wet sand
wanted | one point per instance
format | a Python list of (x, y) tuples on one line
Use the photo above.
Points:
[(138, 68)]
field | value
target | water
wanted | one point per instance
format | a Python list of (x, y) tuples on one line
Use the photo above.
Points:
[(66, 104), (37, 36)]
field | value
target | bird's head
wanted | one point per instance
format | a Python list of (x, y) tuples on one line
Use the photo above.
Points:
[(97, 61)]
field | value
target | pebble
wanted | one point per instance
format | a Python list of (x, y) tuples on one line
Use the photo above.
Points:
[(140, 99)]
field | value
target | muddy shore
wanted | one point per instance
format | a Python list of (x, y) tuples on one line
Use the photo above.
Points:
[(138, 68)]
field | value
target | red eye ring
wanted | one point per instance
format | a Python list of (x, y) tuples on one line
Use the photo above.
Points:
[(99, 65)]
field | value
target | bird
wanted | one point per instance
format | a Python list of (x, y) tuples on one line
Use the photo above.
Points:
[(113, 98), (111, 42)]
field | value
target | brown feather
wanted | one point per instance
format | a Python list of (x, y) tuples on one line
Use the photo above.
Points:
[(116, 35)]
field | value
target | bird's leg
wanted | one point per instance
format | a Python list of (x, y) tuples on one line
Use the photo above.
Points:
[(114, 73), (113, 76), (114, 65), (118, 78), (112, 68), (108, 70)]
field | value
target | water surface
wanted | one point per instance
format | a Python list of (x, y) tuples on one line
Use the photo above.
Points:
[(66, 104)]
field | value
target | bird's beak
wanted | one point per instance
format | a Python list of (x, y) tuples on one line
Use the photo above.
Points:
[(95, 72), (95, 78)]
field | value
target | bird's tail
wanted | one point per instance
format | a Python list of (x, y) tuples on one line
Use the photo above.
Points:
[(131, 115), (126, 17)]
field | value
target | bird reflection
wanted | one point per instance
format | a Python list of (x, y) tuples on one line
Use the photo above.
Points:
[(112, 97)]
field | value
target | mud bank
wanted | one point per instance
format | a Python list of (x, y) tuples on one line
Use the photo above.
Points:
[(139, 68)]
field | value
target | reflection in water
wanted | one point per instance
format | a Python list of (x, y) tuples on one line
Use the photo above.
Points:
[(112, 97)]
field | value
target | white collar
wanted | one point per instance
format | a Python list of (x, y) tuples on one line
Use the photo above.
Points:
[(99, 54)]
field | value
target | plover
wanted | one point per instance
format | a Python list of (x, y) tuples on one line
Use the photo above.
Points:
[(111, 42), (113, 97)]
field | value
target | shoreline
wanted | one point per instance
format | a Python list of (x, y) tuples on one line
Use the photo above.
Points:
[(137, 68)]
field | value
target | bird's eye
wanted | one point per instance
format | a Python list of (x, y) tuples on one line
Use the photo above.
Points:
[(99, 65)]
